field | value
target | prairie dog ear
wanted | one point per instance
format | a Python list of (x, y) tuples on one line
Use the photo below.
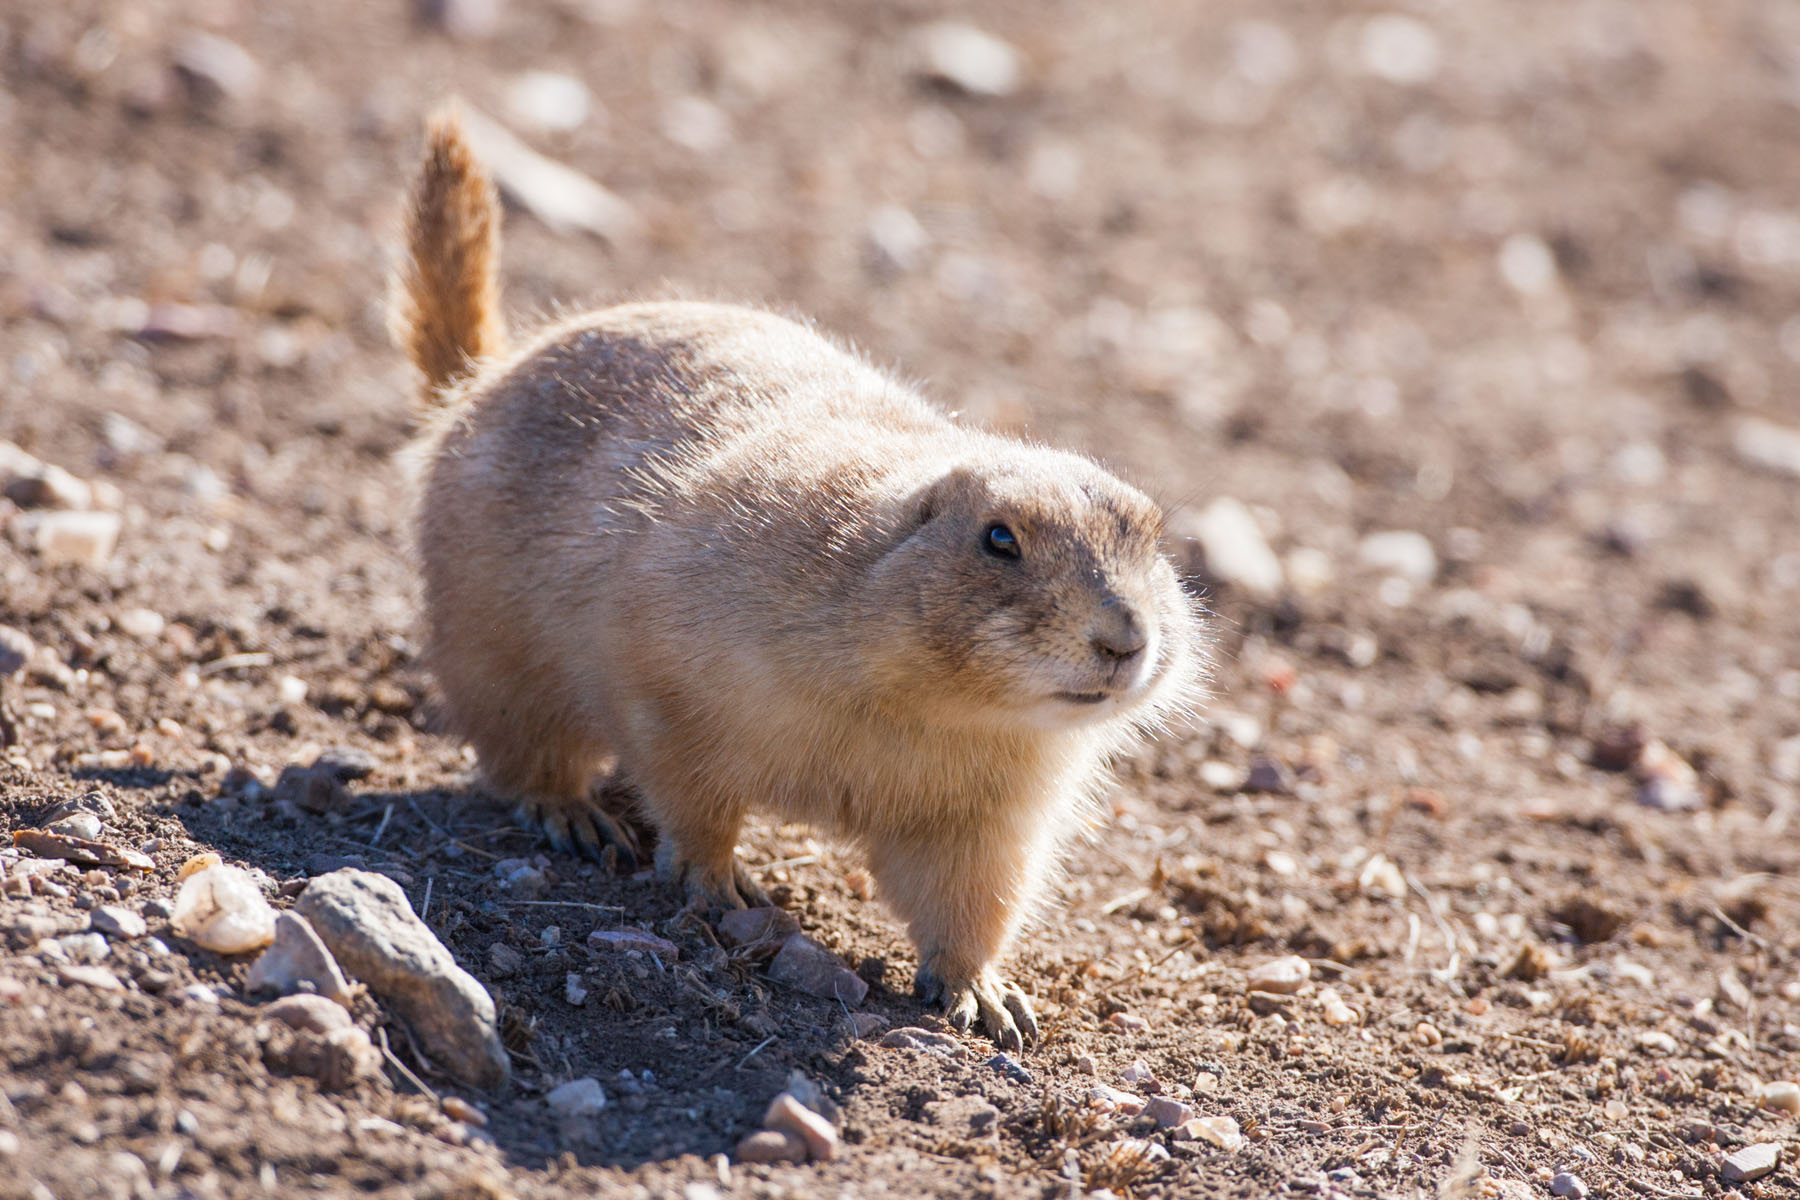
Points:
[(957, 488)]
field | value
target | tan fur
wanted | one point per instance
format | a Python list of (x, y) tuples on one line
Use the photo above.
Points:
[(447, 292), (703, 543)]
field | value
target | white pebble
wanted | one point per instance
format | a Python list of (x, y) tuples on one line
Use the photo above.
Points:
[(1768, 445), (1781, 1096), (222, 910), (968, 59), (141, 623), (1235, 550), (1400, 49), (1283, 976), (1402, 553), (1527, 265), (548, 101)]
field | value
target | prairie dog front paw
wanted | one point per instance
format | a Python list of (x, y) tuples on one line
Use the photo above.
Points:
[(998, 1005)]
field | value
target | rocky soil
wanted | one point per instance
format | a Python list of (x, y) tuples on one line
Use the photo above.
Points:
[(1463, 342)]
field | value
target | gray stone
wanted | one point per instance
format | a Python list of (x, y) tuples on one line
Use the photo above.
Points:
[(1167, 1112), (634, 939), (16, 649), (370, 928), (116, 921), (929, 1040), (297, 961), (1010, 1067), (804, 964), (314, 1014), (577, 1098), (1751, 1163), (1566, 1183)]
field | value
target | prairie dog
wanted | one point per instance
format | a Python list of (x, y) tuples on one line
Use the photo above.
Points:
[(704, 546)]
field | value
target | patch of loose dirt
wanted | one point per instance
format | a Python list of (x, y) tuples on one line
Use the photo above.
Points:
[(1509, 276)]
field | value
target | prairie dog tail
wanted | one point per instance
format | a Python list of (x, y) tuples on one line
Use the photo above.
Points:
[(446, 298)]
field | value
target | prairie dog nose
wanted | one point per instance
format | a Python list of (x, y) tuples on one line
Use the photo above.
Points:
[(1117, 632)]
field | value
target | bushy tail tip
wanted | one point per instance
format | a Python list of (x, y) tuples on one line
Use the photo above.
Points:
[(446, 296)]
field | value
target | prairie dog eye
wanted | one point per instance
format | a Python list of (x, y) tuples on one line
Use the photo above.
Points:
[(1001, 542)]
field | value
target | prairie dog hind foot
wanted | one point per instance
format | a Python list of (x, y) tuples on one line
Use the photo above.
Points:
[(998, 1005), (722, 884)]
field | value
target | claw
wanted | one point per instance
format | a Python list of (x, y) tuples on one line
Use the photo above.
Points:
[(1001, 1008), (585, 832)]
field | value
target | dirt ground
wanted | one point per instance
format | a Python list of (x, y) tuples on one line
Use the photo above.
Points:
[(1508, 275)]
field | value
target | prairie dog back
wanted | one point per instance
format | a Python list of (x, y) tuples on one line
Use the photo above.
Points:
[(702, 545)]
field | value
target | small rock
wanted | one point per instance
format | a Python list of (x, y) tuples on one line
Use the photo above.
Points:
[(221, 909), (1218, 1131), (1751, 1163), (1010, 1067), (788, 1115), (1234, 550), (771, 1146), (1269, 777), (504, 961), (98, 978), (1655, 1041), (83, 538), (577, 1098), (1264, 1003), (1781, 1096), (967, 59), (1282, 975), (79, 824), (573, 991), (1563, 1183), (1136, 1073), (1527, 265), (634, 939), (297, 961), (548, 101), (743, 926), (51, 487), (370, 928), (315, 1014), (559, 196), (1381, 876), (313, 790), (215, 67), (115, 921), (1167, 1112), (1767, 445), (146, 625), (865, 1025), (16, 649), (1124, 1022), (1125, 1103), (804, 964), (928, 1040), (1138, 1148), (1400, 552)]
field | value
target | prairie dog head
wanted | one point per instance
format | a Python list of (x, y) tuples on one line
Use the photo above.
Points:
[(1033, 592)]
